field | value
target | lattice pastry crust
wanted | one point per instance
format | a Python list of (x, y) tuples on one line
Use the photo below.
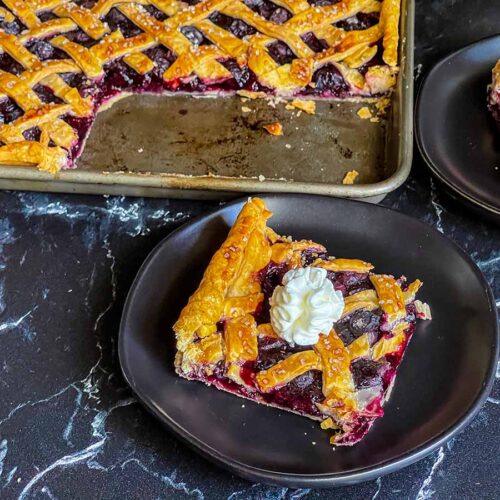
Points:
[(224, 337), (62, 60)]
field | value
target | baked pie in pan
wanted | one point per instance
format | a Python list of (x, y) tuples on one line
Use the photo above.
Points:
[(61, 61), (281, 323)]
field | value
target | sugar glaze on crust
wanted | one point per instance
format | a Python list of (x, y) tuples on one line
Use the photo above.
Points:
[(224, 337), (61, 61)]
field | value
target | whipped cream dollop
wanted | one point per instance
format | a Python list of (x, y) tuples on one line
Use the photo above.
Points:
[(305, 306)]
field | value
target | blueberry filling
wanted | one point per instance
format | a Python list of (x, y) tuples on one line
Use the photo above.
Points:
[(280, 52), (367, 373), (237, 27), (357, 324)]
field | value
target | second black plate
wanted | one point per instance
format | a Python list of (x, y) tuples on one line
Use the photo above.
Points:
[(455, 133), (445, 377)]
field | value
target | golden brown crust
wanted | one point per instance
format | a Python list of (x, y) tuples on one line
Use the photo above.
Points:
[(206, 305), (355, 265), (288, 369), (390, 295)]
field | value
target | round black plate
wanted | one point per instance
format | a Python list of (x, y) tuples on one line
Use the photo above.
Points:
[(456, 134), (445, 377)]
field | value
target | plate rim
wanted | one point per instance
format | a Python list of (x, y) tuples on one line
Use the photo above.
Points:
[(323, 480), (420, 146)]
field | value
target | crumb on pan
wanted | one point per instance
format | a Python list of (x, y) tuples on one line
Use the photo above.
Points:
[(250, 94), (364, 113), (375, 119), (274, 128), (245, 109), (382, 105), (307, 106), (350, 177), (261, 178)]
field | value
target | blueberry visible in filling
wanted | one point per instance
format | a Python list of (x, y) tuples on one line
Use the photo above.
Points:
[(367, 373), (280, 52), (322, 3), (9, 110), (328, 79), (357, 324), (270, 277), (313, 42), (156, 13), (46, 95), (44, 50), (195, 36), (32, 134), (117, 21), (10, 65), (360, 21), (237, 27), (242, 76), (349, 282), (81, 38), (310, 255), (13, 27), (269, 10), (302, 393), (272, 351), (163, 58)]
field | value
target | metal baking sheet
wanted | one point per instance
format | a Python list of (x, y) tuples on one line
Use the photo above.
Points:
[(182, 146)]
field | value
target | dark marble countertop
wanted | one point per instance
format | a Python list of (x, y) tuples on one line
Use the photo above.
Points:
[(70, 427)]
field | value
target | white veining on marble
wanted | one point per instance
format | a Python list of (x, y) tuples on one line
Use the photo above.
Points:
[(169, 480), (63, 462), (379, 488), (426, 491), (3, 453), (302, 493), (69, 426), (10, 476), (261, 492), (91, 382), (34, 403), (87, 454), (438, 209), (12, 324)]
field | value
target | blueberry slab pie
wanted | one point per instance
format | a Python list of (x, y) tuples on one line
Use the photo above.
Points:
[(282, 323), (62, 61)]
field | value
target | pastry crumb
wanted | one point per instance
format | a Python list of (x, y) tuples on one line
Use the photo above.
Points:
[(350, 177), (288, 146), (375, 119), (382, 105), (423, 310), (250, 94), (364, 113), (261, 178), (274, 128), (246, 109), (307, 106)]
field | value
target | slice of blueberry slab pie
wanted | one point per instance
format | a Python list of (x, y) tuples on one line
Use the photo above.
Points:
[(282, 323)]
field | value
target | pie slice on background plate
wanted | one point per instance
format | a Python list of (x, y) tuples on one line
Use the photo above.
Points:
[(282, 323)]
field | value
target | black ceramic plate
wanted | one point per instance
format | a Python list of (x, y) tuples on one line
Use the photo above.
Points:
[(445, 377), (456, 135)]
